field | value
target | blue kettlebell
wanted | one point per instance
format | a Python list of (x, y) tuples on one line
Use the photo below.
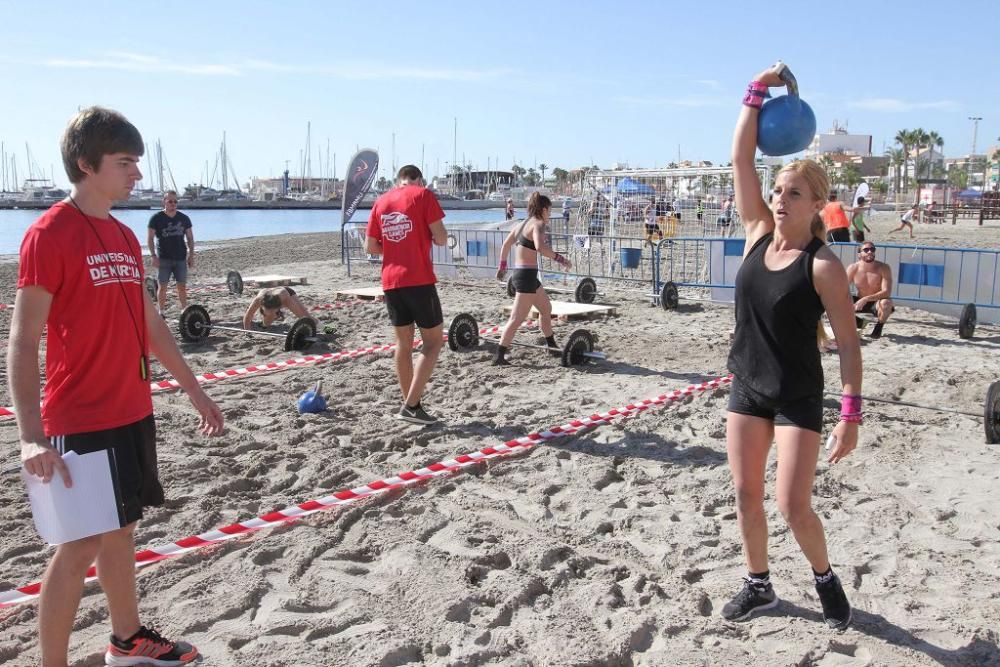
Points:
[(312, 400), (786, 124)]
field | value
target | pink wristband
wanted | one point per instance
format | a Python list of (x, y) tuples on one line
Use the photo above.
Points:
[(503, 264), (756, 92), (850, 409), (559, 259)]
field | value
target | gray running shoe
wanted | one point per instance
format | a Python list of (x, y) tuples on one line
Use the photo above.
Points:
[(750, 599), (416, 415)]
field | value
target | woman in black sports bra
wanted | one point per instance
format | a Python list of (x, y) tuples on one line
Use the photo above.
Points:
[(787, 279), (529, 241)]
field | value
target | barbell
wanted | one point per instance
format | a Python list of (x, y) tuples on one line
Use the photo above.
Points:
[(463, 334), (584, 292), (234, 283), (990, 416), (195, 324)]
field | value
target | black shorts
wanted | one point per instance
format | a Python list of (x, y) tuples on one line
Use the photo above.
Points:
[(839, 235), (858, 235), (804, 413), (867, 308), (132, 458), (407, 305), (525, 281)]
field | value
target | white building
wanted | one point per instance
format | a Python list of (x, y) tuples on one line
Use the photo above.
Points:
[(838, 140)]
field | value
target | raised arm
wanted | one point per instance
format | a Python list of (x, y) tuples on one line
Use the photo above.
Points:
[(750, 204)]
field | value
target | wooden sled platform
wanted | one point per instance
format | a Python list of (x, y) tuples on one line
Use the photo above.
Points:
[(571, 310)]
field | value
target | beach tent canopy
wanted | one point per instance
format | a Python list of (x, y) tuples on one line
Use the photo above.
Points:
[(969, 194), (628, 186)]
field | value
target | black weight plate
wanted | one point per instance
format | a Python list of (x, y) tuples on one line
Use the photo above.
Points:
[(151, 286), (668, 296), (967, 323), (234, 281), (511, 292), (991, 414), (586, 290), (301, 335), (463, 333), (579, 341), (194, 323)]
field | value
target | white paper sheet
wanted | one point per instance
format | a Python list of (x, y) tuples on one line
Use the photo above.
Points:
[(87, 508)]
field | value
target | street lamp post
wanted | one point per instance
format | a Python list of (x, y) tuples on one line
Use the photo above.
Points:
[(975, 129)]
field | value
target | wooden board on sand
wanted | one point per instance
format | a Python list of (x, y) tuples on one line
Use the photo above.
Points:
[(366, 293), (274, 280), (572, 310)]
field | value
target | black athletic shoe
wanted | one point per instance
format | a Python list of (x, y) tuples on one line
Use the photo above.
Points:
[(877, 331), (500, 361), (753, 597), (416, 415), (836, 609)]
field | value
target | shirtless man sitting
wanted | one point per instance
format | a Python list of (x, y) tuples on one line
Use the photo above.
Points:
[(269, 303), (873, 281)]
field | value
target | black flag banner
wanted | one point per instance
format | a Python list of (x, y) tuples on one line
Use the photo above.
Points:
[(360, 176)]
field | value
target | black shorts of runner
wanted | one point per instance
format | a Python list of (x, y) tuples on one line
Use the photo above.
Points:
[(407, 305), (132, 458), (804, 413), (839, 235), (525, 281)]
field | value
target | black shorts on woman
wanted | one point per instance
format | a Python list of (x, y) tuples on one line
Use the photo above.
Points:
[(775, 359), (525, 281)]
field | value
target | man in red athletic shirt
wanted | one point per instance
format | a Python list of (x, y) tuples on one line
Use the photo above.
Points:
[(403, 224), (81, 274)]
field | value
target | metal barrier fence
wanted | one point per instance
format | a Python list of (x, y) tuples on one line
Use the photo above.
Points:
[(936, 279)]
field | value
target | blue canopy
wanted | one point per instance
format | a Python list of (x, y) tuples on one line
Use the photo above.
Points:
[(628, 186), (969, 194)]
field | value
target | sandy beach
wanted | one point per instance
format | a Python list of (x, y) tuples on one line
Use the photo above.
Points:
[(617, 545)]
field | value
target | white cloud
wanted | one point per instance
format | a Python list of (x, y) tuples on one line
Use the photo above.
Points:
[(137, 62), (711, 83), (894, 105)]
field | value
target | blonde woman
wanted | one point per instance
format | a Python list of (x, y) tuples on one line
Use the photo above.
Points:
[(787, 280)]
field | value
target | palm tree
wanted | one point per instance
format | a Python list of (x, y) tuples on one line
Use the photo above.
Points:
[(904, 139), (542, 167), (518, 172), (935, 141), (896, 158)]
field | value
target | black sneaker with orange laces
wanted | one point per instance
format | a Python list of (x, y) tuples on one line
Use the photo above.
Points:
[(148, 647)]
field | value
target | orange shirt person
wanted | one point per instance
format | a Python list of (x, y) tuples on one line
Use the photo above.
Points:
[(836, 222)]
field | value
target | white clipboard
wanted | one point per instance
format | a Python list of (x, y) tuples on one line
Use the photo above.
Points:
[(87, 508)]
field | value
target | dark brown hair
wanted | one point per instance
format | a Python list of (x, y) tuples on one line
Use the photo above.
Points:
[(93, 133), (538, 203), (409, 172)]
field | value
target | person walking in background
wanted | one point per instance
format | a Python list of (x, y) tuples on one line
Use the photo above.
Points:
[(509, 211), (858, 226), (836, 222), (403, 224), (171, 247)]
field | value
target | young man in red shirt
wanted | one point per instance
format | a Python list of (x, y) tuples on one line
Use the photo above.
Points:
[(403, 224), (81, 274)]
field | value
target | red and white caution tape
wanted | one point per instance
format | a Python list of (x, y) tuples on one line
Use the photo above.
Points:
[(348, 496), (6, 306), (272, 367)]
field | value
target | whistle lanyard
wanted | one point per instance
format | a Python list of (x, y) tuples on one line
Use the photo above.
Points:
[(139, 335)]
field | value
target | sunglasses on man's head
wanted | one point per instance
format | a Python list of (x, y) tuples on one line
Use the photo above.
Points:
[(870, 249)]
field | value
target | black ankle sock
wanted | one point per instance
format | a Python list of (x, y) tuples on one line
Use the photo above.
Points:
[(763, 577), (501, 351), (823, 577), (551, 341)]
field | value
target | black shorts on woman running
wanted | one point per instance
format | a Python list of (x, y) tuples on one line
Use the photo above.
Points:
[(804, 413), (132, 459), (525, 281)]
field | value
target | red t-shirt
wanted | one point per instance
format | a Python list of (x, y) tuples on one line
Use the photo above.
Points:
[(93, 345), (401, 220)]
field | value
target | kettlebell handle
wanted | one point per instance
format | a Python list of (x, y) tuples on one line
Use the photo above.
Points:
[(786, 75)]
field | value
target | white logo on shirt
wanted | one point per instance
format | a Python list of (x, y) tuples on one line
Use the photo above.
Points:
[(112, 267), (395, 226)]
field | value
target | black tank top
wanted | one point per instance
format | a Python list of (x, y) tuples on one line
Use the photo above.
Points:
[(523, 240), (774, 349)]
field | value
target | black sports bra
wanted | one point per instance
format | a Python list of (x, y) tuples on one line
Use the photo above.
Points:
[(523, 240)]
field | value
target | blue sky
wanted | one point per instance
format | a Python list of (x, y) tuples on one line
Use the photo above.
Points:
[(560, 83)]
